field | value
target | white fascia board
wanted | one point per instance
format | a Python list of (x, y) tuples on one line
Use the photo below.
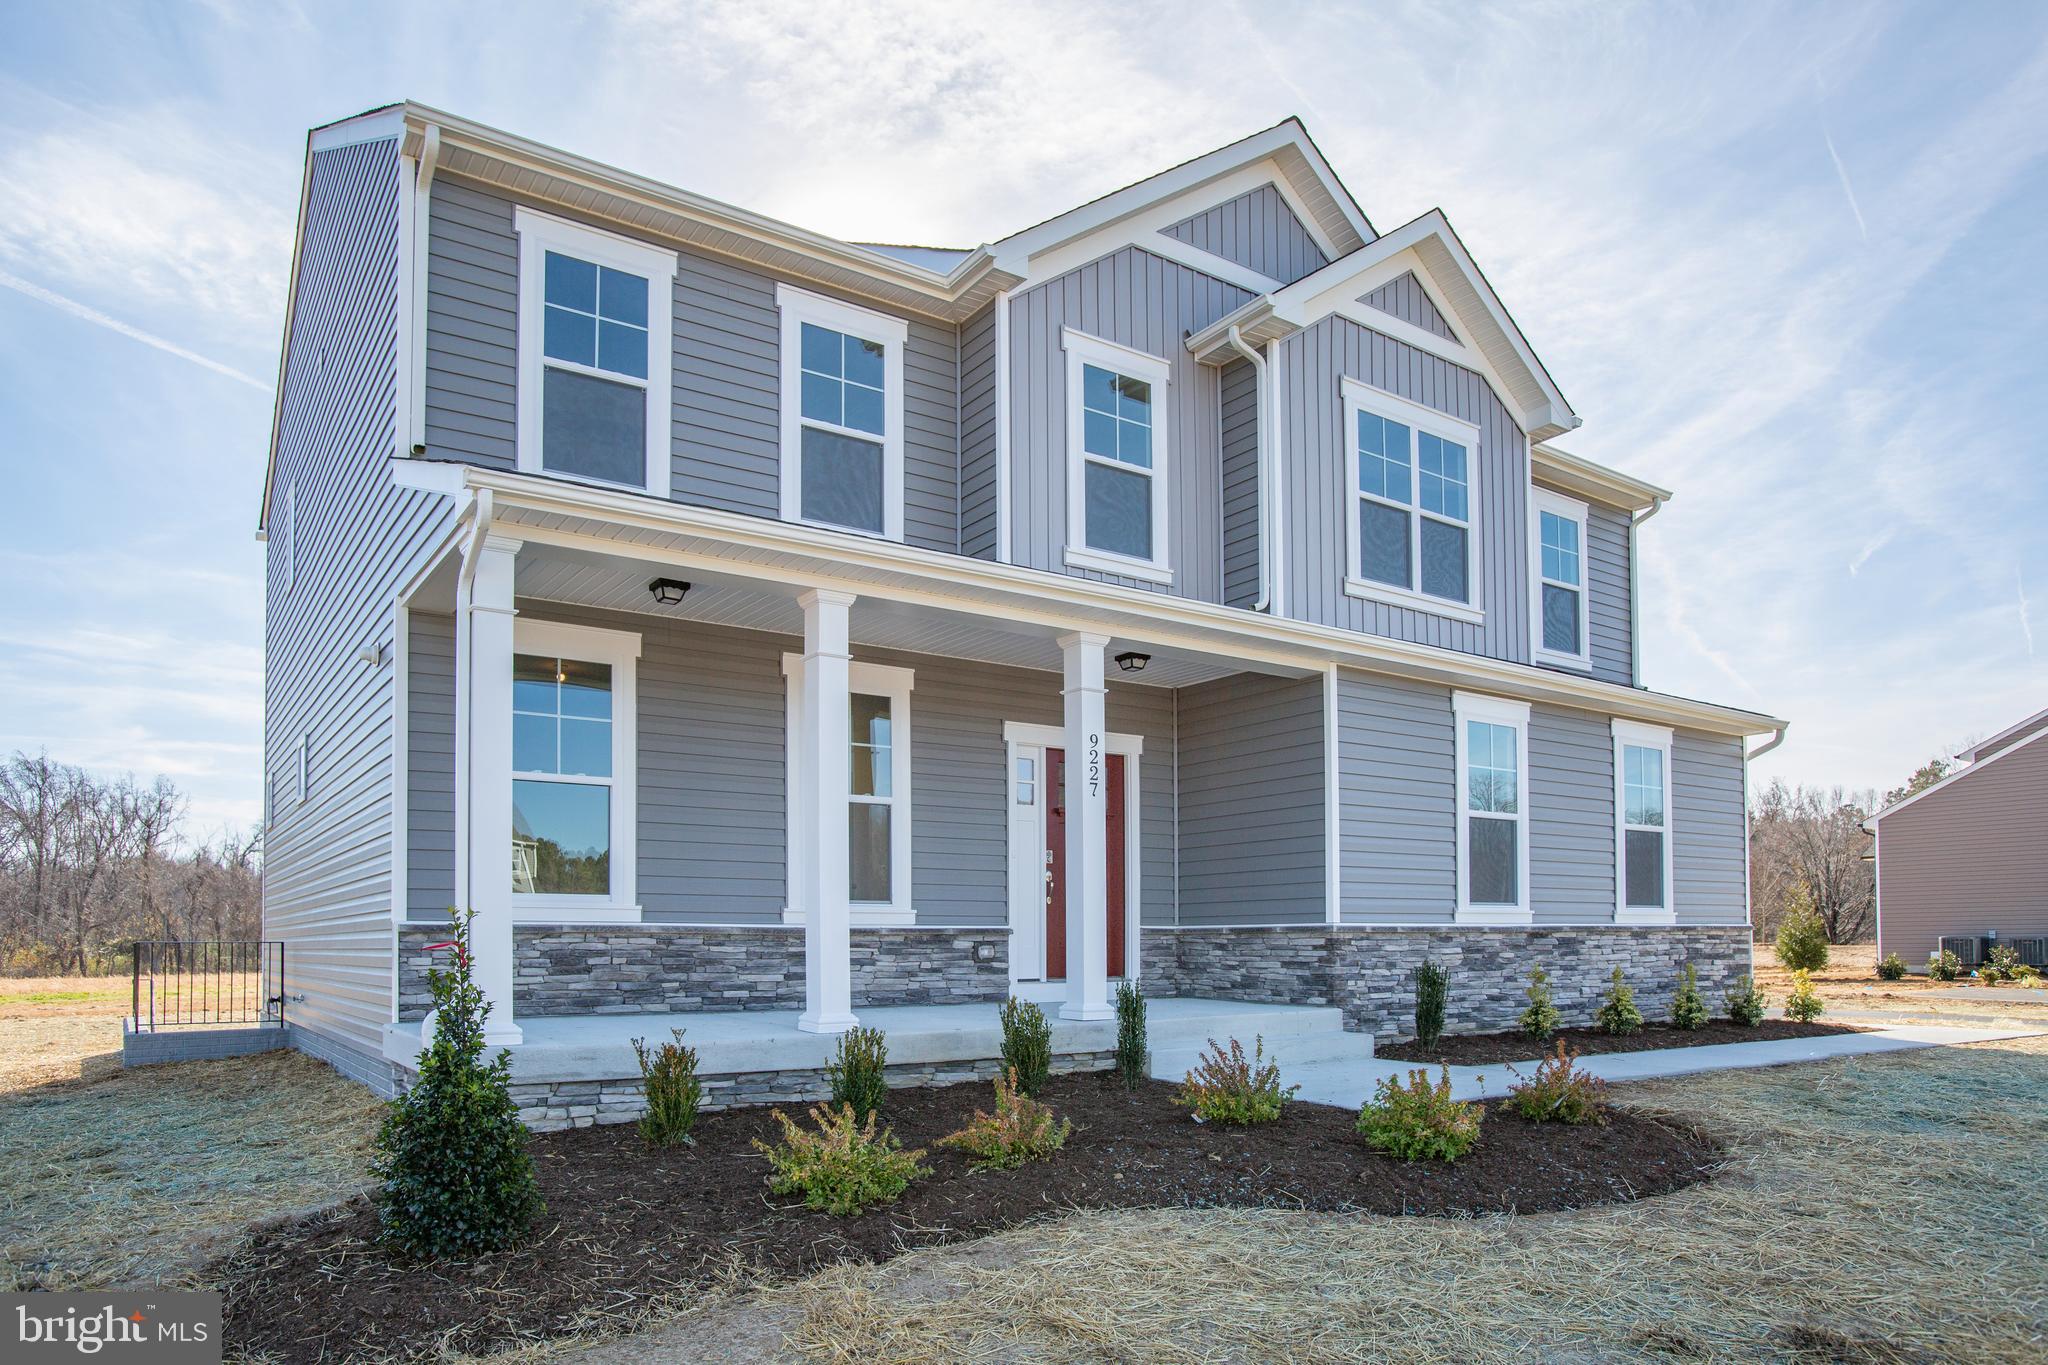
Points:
[(374, 126), (1968, 770), (2038, 720), (1585, 478)]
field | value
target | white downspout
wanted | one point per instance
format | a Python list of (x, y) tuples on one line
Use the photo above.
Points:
[(422, 208), (1635, 617), (1260, 482)]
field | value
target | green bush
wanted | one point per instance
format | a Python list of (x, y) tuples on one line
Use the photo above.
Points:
[(843, 1167), (1804, 1003), (1233, 1088), (1688, 1010), (1541, 1019), (668, 1074), (855, 1072), (1419, 1120), (1891, 968), (1432, 990), (1944, 966), (1560, 1092), (1802, 938), (2005, 965), (1021, 1129), (1027, 1045), (1130, 1034), (1618, 1013), (454, 1176), (1745, 1002)]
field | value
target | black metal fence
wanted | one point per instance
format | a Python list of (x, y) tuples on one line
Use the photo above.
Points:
[(219, 982)]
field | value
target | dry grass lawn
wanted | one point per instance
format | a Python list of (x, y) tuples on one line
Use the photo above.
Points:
[(52, 1028)]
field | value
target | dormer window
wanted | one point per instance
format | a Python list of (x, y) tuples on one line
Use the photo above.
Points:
[(1411, 496), (1116, 459), (842, 414)]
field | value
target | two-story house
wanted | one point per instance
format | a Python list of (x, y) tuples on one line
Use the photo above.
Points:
[(762, 629)]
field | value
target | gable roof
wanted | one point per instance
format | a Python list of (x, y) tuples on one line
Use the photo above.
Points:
[(2011, 746), (2007, 737)]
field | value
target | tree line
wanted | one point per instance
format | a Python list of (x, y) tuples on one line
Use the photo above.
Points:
[(89, 865)]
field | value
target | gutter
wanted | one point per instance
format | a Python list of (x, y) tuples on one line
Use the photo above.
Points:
[(1777, 738), (1263, 477), (1635, 615)]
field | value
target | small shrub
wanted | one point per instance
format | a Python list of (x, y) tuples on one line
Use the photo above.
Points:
[(1130, 1034), (1891, 968), (2005, 965), (1027, 1045), (1944, 966), (843, 1167), (668, 1073), (1419, 1120), (1745, 1002), (1432, 989), (1802, 938), (1541, 1019), (856, 1072), (1233, 1088), (1560, 1092), (1804, 1003), (1688, 1009), (454, 1175), (1022, 1129), (1618, 1013)]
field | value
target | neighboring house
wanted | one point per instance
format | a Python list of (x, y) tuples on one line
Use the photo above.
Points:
[(736, 618), (1967, 858)]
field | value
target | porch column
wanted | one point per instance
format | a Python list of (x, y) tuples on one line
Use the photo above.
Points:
[(821, 813), (1087, 830), (484, 781)]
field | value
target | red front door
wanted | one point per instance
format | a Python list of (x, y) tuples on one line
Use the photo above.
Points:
[(1056, 865)]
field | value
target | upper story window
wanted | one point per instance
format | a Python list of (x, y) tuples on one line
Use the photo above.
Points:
[(842, 414), (1493, 809), (594, 376), (1560, 579), (573, 765), (1642, 823), (1411, 495), (1117, 466)]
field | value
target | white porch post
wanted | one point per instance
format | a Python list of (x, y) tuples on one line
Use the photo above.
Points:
[(821, 813), (484, 777), (1087, 830)]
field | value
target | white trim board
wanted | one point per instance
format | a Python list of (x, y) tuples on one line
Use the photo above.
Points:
[(797, 307), (1542, 500), (1026, 824), (1465, 708), (1358, 397), (1657, 737), (1082, 350)]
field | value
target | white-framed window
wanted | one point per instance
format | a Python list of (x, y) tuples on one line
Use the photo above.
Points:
[(1557, 537), (1642, 823), (842, 414), (1411, 480), (574, 782), (1493, 808), (595, 389), (1118, 459), (878, 815)]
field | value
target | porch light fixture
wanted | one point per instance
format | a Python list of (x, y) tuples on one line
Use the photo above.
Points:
[(1130, 661), (668, 591)]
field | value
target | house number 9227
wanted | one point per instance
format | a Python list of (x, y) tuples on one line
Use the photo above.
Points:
[(1095, 765)]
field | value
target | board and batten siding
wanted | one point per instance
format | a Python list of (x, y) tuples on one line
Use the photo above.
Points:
[(327, 876), (979, 496), (1240, 460), (725, 425), (1318, 488), (1150, 304), (1252, 753), (1404, 298), (1256, 230)]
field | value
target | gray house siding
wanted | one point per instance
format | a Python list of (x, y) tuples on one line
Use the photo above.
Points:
[(1709, 829), (327, 883), (1571, 816), (1251, 801), (1316, 478), (1240, 457), (1256, 230), (1405, 299), (430, 766), (1150, 304), (978, 477), (472, 326), (1608, 628), (1397, 798)]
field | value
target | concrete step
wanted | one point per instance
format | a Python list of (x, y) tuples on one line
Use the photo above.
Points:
[(1292, 1052)]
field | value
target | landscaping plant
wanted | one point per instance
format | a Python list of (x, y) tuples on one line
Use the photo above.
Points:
[(1804, 1003), (1432, 989), (843, 1167), (668, 1075), (1419, 1120), (1021, 1129), (855, 1072), (1560, 1092), (1745, 1002), (1802, 938), (1618, 1013), (1233, 1088), (1944, 966), (454, 1176), (1130, 1034), (1541, 1019), (1688, 1010), (1891, 968), (1027, 1045), (2005, 965)]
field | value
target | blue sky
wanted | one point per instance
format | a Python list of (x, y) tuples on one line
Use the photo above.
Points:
[(1786, 260)]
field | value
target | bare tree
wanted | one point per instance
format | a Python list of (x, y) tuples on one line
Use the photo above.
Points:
[(1812, 839)]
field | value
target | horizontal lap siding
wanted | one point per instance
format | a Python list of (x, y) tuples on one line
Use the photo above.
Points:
[(1405, 299), (1149, 304), (1607, 597), (978, 478), (728, 388), (1256, 230), (472, 326), (1709, 830), (1251, 801), (1571, 816), (1397, 797), (1970, 859), (1318, 481), (430, 766), (1240, 462)]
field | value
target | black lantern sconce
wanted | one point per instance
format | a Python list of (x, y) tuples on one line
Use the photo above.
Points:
[(668, 591), (1130, 661)]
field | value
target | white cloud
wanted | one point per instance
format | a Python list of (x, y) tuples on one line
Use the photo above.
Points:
[(99, 319)]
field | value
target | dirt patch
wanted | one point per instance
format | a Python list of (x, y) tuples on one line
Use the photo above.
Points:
[(1492, 1049), (627, 1225)]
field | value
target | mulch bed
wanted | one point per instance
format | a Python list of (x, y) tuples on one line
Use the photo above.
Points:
[(626, 1224), (1489, 1049)]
